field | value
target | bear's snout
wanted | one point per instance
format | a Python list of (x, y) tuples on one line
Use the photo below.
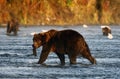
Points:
[(35, 45)]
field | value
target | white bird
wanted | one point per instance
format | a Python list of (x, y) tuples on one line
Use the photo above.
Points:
[(110, 36), (85, 26)]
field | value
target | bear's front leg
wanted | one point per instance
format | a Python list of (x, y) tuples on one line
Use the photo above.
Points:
[(44, 55), (8, 28), (34, 50)]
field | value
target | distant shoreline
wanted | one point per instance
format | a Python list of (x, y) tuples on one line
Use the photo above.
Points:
[(36, 25)]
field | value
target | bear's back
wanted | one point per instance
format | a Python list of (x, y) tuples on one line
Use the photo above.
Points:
[(68, 34), (67, 39)]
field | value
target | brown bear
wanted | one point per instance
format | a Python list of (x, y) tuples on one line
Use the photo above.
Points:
[(106, 30), (62, 42), (12, 26)]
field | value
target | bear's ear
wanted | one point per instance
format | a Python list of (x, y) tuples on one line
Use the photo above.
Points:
[(35, 35), (41, 35)]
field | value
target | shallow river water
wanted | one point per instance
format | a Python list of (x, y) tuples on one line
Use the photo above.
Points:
[(17, 61)]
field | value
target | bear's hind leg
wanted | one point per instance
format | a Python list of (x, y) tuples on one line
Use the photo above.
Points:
[(92, 60), (62, 58), (89, 57), (15, 32), (72, 59)]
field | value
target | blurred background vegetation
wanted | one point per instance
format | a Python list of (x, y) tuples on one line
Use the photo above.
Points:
[(60, 12)]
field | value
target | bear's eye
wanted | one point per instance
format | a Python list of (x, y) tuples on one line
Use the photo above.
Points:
[(35, 40)]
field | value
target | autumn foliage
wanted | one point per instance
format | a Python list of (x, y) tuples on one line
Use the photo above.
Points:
[(60, 12)]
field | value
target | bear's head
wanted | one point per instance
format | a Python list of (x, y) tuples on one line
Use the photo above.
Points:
[(41, 39), (38, 40), (106, 30)]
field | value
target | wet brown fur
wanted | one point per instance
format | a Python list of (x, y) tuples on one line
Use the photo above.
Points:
[(12, 26), (62, 42), (105, 31)]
